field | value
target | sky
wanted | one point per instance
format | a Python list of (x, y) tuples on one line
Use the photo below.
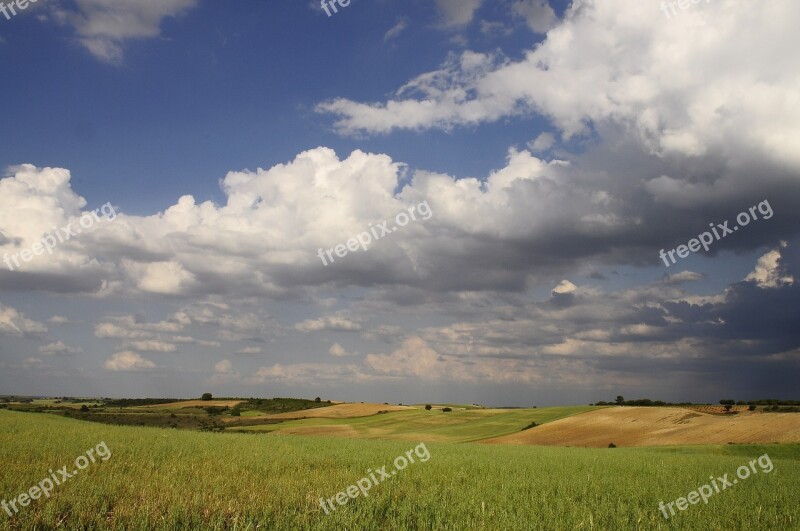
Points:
[(501, 202)]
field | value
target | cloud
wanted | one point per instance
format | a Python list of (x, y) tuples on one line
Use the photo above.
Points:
[(59, 348), (396, 30), (223, 367), (223, 373), (249, 350), (682, 277), (537, 13), (103, 26), (769, 273), (456, 13), (338, 351), (166, 278), (33, 363), (543, 142), (111, 330), (330, 323), (152, 346), (309, 374), (128, 361), (528, 221), (628, 54), (14, 323)]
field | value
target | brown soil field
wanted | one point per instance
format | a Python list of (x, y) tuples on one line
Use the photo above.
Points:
[(659, 426), (195, 403), (340, 411)]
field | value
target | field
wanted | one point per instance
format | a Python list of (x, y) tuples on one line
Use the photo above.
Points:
[(661, 426), (172, 479), (416, 424)]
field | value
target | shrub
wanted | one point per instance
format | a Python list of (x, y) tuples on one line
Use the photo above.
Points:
[(612, 445), (529, 426), (318, 399), (428, 407), (206, 396), (446, 410), (84, 409), (751, 407)]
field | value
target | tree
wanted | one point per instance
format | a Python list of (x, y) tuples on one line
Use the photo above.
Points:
[(620, 400), (428, 407), (206, 396), (318, 399), (84, 409), (751, 407), (728, 403), (446, 410), (612, 445)]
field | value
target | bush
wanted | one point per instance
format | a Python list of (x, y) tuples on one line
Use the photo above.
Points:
[(751, 407), (318, 399), (206, 396), (428, 407), (612, 445), (529, 426), (446, 410), (84, 409)]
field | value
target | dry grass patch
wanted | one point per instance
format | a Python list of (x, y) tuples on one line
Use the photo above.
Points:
[(340, 411), (659, 426)]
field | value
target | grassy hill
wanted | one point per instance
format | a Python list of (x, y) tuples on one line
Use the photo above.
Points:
[(420, 425)]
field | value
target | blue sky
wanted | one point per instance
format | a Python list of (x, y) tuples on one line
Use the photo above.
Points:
[(560, 147)]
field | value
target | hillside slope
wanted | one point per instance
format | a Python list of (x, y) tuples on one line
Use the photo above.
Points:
[(659, 426)]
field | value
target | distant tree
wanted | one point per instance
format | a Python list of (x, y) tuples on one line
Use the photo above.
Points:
[(446, 410), (84, 409), (612, 445), (236, 412), (751, 407), (318, 399), (620, 400), (428, 407), (206, 396)]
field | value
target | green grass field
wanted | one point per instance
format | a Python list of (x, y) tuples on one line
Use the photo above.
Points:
[(420, 425), (173, 479)]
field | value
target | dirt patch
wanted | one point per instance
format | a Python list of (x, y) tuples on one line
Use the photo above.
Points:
[(657, 426), (340, 411)]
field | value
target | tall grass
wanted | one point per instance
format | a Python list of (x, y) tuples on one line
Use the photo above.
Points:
[(169, 479)]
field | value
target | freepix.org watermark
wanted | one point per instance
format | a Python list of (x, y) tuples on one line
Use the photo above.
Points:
[(669, 7), (366, 483), (365, 238), (47, 485), (332, 3), (22, 5), (49, 241), (721, 483), (707, 238)]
